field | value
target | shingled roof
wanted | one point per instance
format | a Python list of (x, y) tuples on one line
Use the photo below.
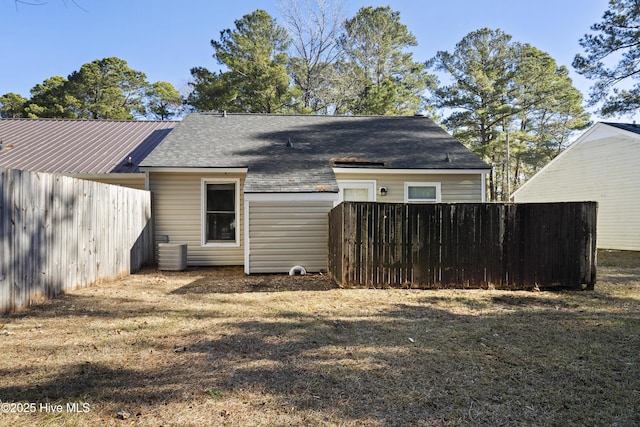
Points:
[(78, 146), (296, 153), (629, 127)]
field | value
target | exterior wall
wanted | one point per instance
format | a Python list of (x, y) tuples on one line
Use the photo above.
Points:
[(602, 167), (285, 234), (282, 234), (177, 212), (455, 188)]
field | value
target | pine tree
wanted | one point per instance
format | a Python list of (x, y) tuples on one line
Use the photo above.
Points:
[(506, 97), (616, 36)]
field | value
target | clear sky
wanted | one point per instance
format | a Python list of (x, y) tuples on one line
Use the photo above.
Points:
[(166, 38)]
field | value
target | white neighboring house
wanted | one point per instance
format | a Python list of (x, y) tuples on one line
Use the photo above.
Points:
[(602, 165)]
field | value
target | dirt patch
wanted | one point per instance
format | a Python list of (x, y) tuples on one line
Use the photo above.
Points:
[(233, 280)]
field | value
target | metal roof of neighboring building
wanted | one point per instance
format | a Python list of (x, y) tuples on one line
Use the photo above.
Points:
[(79, 146), (289, 153)]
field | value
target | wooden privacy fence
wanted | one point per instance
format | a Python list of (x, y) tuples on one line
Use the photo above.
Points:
[(58, 233), (505, 246)]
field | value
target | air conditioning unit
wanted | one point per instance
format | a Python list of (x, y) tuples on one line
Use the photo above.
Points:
[(172, 256)]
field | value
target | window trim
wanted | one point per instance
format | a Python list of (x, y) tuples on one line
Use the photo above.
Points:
[(203, 212), (369, 184), (437, 186)]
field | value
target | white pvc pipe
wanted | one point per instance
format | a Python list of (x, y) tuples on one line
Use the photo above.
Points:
[(297, 269)]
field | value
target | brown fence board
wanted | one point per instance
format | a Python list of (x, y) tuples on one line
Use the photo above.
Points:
[(506, 246)]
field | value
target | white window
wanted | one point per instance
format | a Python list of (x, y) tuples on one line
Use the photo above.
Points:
[(220, 212), (422, 192), (357, 191)]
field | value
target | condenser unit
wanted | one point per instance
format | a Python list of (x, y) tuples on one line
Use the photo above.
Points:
[(172, 256)]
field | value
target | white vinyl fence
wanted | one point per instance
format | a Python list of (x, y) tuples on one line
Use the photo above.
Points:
[(58, 233)]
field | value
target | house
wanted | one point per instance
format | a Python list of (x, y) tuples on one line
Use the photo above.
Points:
[(256, 189), (601, 165), (100, 150)]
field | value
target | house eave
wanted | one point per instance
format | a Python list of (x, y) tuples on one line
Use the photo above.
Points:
[(193, 170), (386, 171)]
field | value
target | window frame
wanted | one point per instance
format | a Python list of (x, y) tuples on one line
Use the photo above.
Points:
[(437, 186), (369, 184), (203, 225)]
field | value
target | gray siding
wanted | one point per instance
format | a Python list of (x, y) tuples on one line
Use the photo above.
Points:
[(177, 210), (286, 234)]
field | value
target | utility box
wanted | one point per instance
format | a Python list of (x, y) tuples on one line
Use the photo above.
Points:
[(172, 256)]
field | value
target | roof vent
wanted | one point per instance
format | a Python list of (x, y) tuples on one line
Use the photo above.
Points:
[(448, 158), (5, 147), (355, 162), (129, 161), (289, 143)]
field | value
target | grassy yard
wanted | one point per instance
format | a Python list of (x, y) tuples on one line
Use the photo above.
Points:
[(213, 347)]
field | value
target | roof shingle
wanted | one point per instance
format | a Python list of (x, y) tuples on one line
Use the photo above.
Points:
[(296, 153)]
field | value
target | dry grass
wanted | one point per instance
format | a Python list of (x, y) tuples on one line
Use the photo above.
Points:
[(213, 347)]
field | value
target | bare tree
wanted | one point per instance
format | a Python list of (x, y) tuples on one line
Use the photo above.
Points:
[(314, 27), (43, 2)]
